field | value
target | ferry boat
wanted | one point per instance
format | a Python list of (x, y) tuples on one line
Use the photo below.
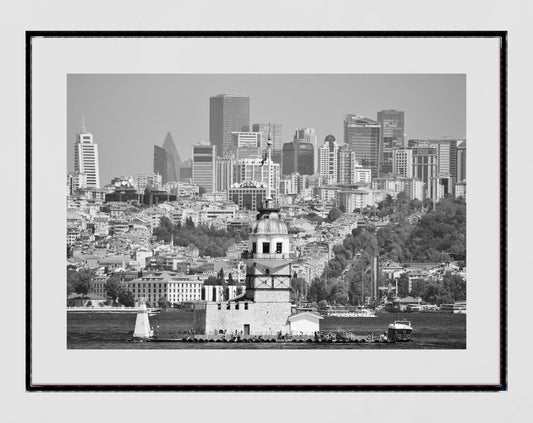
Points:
[(399, 331), (357, 311), (456, 308)]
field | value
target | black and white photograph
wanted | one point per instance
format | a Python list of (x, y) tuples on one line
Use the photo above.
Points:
[(266, 211), (300, 221)]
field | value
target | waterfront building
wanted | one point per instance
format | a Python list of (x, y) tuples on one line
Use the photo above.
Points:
[(224, 173), (203, 166), (173, 287), (328, 160), (167, 160), (363, 137), (298, 157), (275, 131), (402, 162), (392, 137), (86, 158), (227, 113)]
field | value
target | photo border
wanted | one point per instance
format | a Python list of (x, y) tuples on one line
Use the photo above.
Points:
[(502, 35)]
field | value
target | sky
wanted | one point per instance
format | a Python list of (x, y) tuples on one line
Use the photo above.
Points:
[(129, 114)]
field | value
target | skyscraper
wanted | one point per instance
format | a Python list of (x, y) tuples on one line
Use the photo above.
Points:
[(425, 168), (328, 160), (203, 166), (167, 160), (298, 157), (275, 130), (392, 137), (227, 113), (446, 152), (402, 162), (346, 165), (86, 158), (224, 173), (308, 135), (363, 136), (461, 161)]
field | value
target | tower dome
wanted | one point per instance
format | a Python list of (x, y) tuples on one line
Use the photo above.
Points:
[(269, 224)]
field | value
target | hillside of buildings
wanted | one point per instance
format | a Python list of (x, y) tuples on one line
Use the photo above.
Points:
[(429, 237)]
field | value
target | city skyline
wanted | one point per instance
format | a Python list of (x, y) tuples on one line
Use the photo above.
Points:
[(141, 109)]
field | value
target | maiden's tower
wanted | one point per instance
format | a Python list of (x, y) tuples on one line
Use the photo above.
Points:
[(265, 307)]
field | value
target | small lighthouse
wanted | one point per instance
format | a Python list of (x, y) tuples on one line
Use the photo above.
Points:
[(142, 324)]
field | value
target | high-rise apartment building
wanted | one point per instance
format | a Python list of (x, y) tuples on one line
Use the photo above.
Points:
[(224, 173), (203, 166), (392, 137), (346, 164), (328, 160), (275, 131), (461, 161), (255, 170), (227, 113), (298, 157), (167, 160), (363, 136), (425, 168), (86, 158), (446, 151), (402, 162)]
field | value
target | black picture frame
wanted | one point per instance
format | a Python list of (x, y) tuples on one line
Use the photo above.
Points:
[(501, 35)]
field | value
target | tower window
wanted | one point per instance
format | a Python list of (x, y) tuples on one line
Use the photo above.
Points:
[(278, 247), (266, 247), (254, 246), (246, 306)]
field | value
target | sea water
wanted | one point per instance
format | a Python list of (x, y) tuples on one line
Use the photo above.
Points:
[(114, 330)]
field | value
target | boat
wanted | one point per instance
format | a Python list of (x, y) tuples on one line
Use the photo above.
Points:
[(357, 311), (399, 331), (456, 308)]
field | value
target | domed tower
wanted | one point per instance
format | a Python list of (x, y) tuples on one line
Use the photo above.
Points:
[(268, 260)]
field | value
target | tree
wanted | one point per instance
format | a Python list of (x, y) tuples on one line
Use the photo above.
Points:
[(220, 277), (113, 288), (79, 282), (163, 302), (334, 214), (322, 304), (126, 298), (230, 279), (298, 287)]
